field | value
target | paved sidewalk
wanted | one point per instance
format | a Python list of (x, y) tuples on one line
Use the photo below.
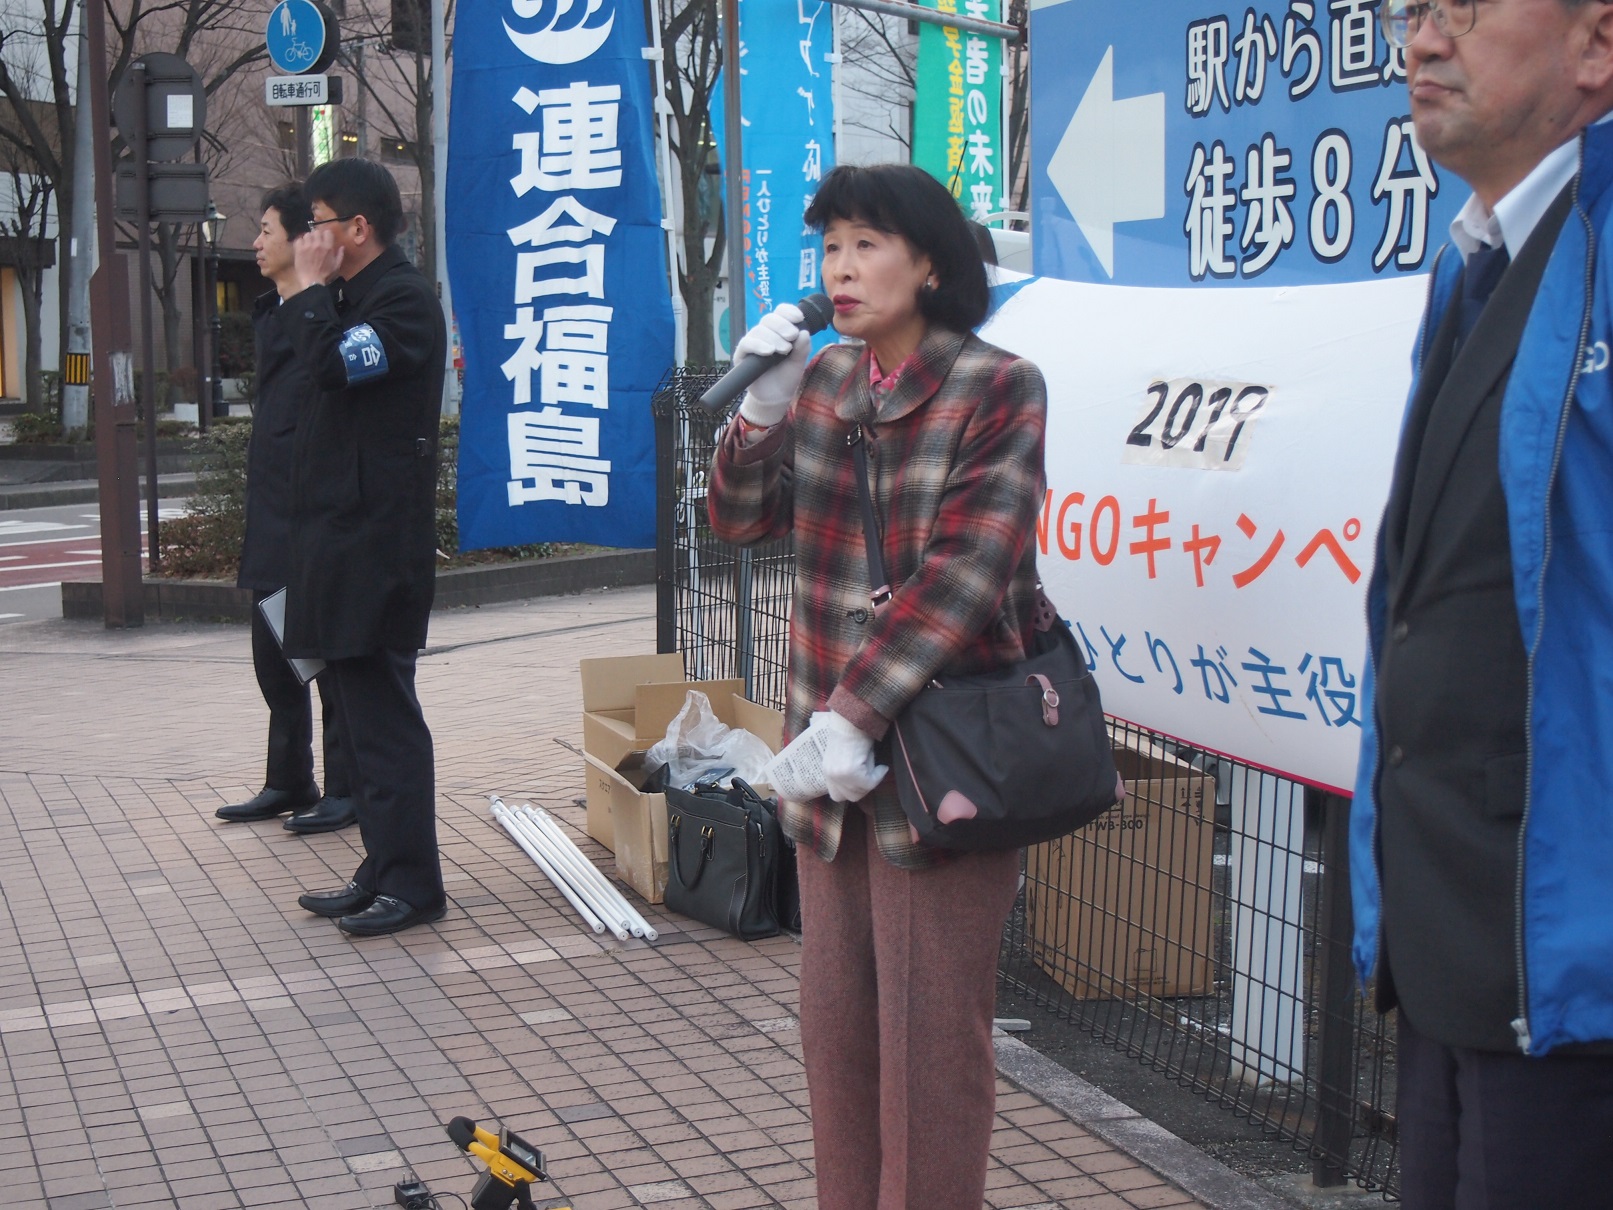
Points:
[(176, 1032)]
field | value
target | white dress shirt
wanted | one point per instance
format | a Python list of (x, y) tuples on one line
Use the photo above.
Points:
[(1519, 213)]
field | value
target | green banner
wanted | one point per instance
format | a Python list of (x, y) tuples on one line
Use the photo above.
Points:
[(958, 107)]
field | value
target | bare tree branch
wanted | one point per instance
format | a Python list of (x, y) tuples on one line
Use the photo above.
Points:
[(880, 65)]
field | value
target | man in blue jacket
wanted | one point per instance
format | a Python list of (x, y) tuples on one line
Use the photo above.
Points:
[(1482, 846)]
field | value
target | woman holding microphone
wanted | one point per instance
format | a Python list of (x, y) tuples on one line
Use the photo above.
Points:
[(899, 942)]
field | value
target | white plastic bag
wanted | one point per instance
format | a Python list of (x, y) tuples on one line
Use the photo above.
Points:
[(699, 746)]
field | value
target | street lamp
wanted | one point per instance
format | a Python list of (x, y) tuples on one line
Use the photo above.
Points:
[(212, 232)]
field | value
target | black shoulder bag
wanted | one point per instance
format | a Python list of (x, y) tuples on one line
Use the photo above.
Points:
[(1000, 759)]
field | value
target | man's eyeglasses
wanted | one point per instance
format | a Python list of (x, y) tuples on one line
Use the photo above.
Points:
[(1401, 19), (341, 218)]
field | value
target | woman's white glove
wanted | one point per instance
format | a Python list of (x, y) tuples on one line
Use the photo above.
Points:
[(830, 757), (779, 332), (848, 758)]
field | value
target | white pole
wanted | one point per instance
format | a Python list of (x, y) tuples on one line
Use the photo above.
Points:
[(439, 191), (673, 226), (540, 854), (590, 881), (563, 867), (507, 817), (835, 79), (570, 862), (604, 888), (1268, 942)]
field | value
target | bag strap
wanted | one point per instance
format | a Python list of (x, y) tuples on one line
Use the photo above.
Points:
[(707, 841), (1045, 614), (879, 584)]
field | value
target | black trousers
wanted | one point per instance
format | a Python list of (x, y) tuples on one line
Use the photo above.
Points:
[(1487, 1130), (394, 774), (290, 764)]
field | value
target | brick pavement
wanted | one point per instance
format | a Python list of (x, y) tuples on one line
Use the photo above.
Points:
[(176, 1032)]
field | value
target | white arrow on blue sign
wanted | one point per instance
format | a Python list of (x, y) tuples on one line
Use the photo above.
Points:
[(1182, 142), (1110, 165)]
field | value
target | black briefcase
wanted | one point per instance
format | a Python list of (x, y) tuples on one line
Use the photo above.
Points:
[(724, 855)]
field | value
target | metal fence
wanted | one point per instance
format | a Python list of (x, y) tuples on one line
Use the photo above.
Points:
[(1203, 926)]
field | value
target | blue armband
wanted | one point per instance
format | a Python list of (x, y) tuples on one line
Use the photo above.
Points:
[(363, 355)]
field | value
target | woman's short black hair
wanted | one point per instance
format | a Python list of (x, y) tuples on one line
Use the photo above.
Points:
[(291, 204), (907, 201), (983, 241), (355, 186)]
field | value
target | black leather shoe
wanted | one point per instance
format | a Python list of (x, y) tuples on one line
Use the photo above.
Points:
[(327, 815), (388, 915), (351, 898), (267, 803)]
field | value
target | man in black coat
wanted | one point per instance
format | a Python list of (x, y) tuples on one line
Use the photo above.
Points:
[(283, 388), (369, 331)]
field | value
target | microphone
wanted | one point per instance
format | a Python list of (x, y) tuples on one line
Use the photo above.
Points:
[(817, 310)]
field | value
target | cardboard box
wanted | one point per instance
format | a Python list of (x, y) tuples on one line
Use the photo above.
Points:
[(638, 827), (639, 821), (628, 702), (1123, 907)]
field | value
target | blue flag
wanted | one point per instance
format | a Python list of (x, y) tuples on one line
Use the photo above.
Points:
[(558, 264), (788, 144)]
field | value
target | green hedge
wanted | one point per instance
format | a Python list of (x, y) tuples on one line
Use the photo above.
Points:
[(206, 543)]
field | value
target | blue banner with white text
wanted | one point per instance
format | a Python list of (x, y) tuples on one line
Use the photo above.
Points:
[(788, 144), (557, 260), (1177, 144)]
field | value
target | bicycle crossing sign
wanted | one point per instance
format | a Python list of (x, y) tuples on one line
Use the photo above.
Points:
[(300, 37)]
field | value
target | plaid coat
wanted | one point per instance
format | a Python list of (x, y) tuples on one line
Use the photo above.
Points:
[(955, 448)]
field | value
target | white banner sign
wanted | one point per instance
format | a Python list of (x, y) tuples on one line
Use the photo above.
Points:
[(297, 90), (1217, 465)]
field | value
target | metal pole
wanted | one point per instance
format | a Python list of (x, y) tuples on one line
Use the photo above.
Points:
[(1335, 1042), (363, 104), (299, 124), (122, 600), (148, 350), (930, 16), (664, 408), (738, 300), (439, 182), (669, 199), (733, 173), (76, 373), (837, 83), (201, 311), (198, 333), (216, 327)]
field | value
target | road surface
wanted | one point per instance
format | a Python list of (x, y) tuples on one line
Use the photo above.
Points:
[(41, 547)]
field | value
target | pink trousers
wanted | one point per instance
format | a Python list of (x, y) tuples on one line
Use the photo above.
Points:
[(898, 989)]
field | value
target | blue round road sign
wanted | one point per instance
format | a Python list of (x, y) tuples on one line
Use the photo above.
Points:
[(296, 36)]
